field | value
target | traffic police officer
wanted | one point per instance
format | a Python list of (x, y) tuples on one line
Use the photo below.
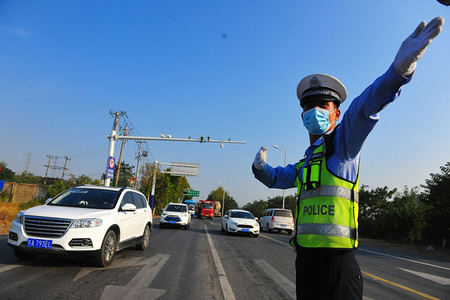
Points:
[(326, 216)]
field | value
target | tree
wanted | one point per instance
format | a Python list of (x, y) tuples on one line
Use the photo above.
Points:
[(290, 202), (222, 196), (167, 188), (436, 198), (26, 177), (126, 172), (6, 174), (406, 217), (373, 207), (56, 188), (257, 207), (60, 186)]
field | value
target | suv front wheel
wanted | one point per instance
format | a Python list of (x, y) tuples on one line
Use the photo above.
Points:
[(108, 249)]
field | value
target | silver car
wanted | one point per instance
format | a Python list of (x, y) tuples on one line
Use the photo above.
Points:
[(277, 219)]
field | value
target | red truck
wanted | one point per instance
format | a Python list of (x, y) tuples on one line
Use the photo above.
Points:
[(204, 208)]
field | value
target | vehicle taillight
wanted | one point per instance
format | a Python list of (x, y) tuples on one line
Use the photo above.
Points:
[(273, 219), (293, 220)]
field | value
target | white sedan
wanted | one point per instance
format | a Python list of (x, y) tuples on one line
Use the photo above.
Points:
[(240, 221)]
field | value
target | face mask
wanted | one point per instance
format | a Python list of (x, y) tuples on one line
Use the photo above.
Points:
[(316, 120)]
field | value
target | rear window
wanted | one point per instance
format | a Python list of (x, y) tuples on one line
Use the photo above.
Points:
[(283, 213)]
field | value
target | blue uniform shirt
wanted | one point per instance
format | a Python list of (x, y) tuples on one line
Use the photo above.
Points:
[(357, 122)]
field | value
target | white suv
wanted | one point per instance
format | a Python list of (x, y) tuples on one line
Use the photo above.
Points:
[(84, 220), (277, 219), (175, 214)]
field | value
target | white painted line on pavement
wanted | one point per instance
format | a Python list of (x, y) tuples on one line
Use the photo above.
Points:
[(410, 260), (437, 279), (223, 279), (277, 277), (137, 288), (10, 267)]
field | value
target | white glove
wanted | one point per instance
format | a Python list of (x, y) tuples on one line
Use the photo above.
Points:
[(260, 158), (415, 46)]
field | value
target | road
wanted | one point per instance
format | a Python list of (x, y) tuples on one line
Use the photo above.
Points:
[(204, 263)]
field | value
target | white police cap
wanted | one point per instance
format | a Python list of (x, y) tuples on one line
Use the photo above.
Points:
[(319, 85)]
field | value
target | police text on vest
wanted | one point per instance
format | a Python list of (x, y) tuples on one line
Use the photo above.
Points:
[(318, 210)]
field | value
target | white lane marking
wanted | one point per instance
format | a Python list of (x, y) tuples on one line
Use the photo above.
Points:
[(10, 267), (138, 286), (223, 279), (437, 279), (118, 263), (410, 260), (277, 277)]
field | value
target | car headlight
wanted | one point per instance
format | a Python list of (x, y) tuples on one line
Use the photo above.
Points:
[(233, 223), (19, 217), (163, 213), (86, 223)]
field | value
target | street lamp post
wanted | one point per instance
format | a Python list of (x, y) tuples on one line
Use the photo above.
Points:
[(284, 151), (223, 198)]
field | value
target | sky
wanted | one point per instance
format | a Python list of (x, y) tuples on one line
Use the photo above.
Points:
[(224, 69)]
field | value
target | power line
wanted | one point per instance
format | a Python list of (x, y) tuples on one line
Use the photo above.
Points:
[(92, 152)]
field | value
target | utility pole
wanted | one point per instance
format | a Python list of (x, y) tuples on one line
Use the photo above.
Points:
[(152, 198), (48, 166), (120, 157), (112, 143), (65, 166), (223, 200), (285, 153), (138, 163)]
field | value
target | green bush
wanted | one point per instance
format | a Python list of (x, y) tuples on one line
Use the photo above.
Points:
[(34, 202)]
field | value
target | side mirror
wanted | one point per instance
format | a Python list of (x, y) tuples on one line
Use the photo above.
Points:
[(48, 200), (256, 219), (225, 216), (128, 207)]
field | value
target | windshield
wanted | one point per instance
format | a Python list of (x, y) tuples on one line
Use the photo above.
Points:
[(241, 215), (283, 213), (207, 205), (87, 198), (177, 208)]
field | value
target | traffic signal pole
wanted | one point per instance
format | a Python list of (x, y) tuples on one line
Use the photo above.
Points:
[(112, 143), (113, 137)]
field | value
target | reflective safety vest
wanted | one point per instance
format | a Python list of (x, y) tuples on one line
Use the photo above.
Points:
[(327, 206)]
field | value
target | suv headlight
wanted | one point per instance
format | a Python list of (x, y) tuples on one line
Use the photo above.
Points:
[(86, 223), (19, 217)]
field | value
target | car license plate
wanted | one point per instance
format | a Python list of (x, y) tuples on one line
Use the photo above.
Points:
[(172, 222), (245, 230), (38, 243), (283, 225)]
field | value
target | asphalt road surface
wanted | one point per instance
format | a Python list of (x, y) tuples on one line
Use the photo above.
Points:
[(204, 263)]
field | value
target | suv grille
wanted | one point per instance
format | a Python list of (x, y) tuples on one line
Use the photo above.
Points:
[(46, 227)]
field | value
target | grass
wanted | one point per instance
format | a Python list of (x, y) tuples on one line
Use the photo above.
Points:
[(8, 212)]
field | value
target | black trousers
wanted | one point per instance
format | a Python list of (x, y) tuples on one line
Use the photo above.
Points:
[(327, 274)]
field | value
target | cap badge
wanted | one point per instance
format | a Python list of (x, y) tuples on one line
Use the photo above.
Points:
[(314, 83)]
